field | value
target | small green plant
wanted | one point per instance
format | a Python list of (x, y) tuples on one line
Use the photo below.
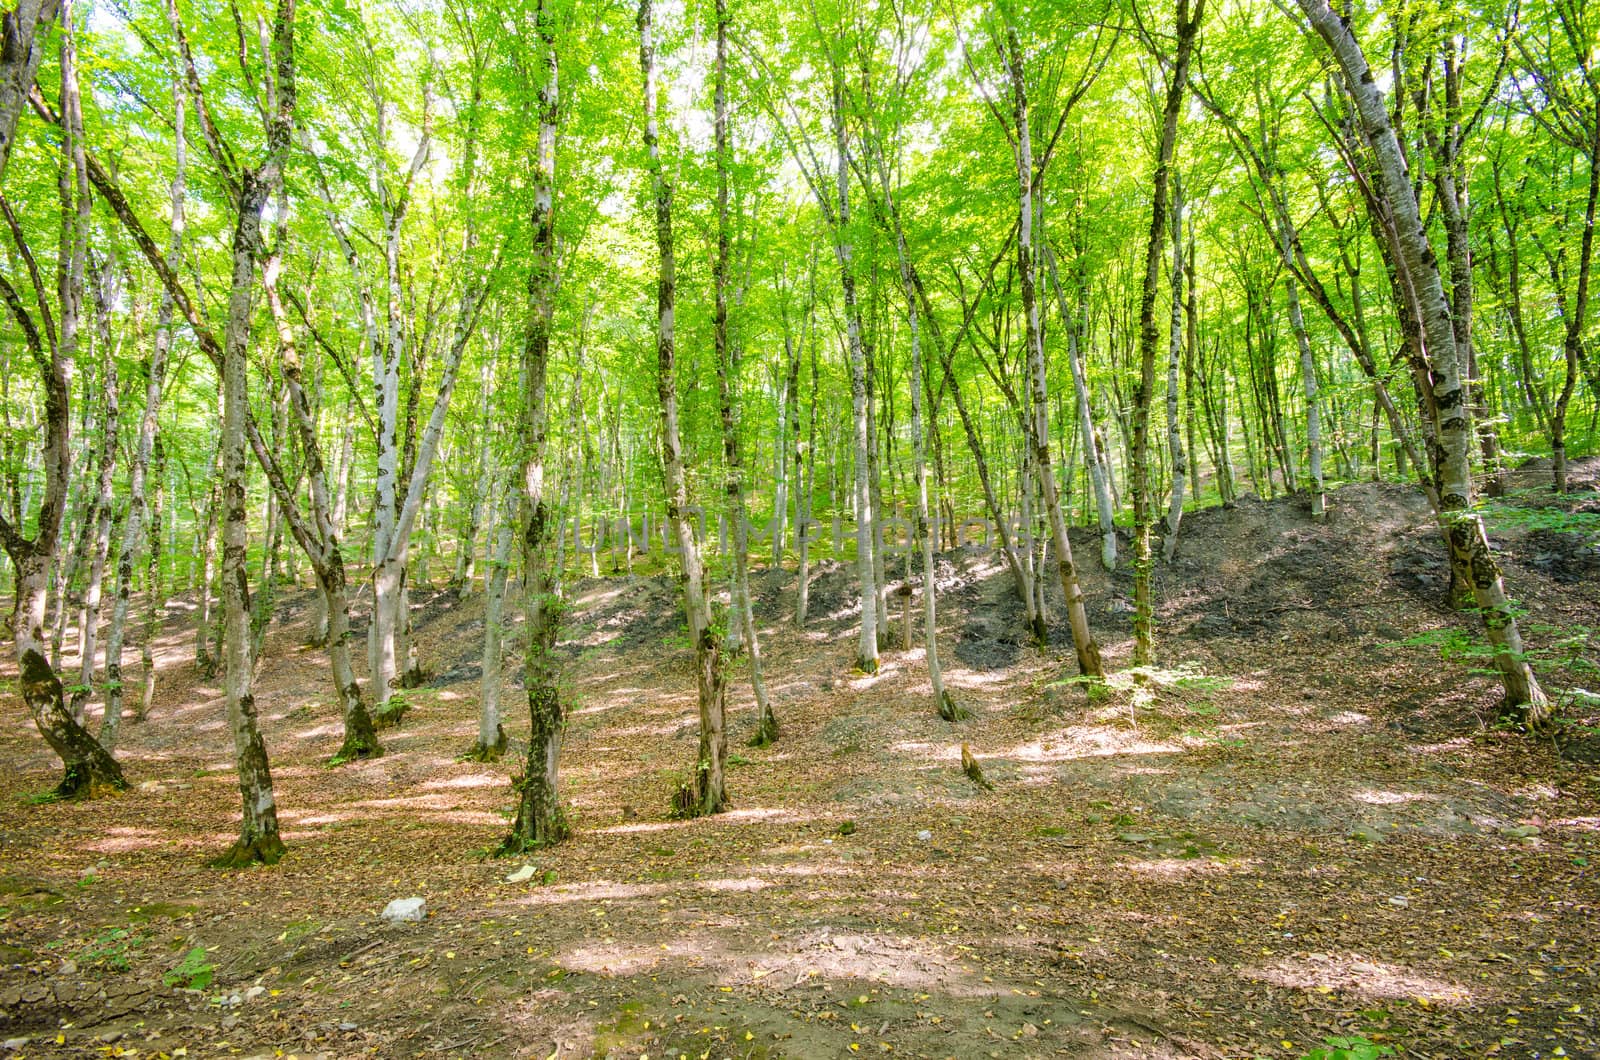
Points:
[(111, 948), (194, 972), (1353, 1048)]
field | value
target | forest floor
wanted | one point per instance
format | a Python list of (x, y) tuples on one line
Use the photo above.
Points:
[(1308, 825)]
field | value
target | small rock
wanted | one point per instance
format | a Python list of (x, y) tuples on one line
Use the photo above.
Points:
[(110, 1036), (925, 835), (12, 1045), (1029, 1031), (403, 910), (1400, 901), (347, 1027), (254, 992), (234, 1000), (69, 967), (522, 875)]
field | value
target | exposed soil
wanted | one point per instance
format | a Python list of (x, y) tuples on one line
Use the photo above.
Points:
[(1307, 824)]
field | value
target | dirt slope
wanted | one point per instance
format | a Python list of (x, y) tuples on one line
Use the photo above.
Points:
[(1303, 826)]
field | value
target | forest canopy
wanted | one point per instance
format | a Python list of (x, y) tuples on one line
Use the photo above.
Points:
[(941, 270)]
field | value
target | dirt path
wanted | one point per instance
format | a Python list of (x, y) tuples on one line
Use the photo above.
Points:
[(1302, 830)]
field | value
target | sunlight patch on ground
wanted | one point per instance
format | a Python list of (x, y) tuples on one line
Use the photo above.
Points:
[(1349, 717), (123, 840), (862, 682), (1391, 798), (642, 826), (1325, 973), (961, 678), (821, 955), (610, 891), (1178, 868), (1585, 824), (597, 708), (1460, 743), (333, 728), (471, 780)]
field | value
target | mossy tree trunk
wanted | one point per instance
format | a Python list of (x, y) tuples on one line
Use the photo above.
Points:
[(706, 792), (1143, 513), (540, 819)]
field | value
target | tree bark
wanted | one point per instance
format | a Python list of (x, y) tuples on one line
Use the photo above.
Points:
[(766, 730), (1446, 397), (89, 768), (540, 819), (1180, 466), (1143, 517), (135, 534), (1088, 651), (258, 835), (706, 791)]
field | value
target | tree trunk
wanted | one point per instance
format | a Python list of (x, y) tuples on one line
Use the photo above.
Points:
[(205, 662), (1073, 322), (1469, 543), (705, 793), (100, 545), (89, 767), (27, 27), (491, 742), (743, 616), (135, 534), (540, 819), (1088, 651), (1143, 517), (1180, 466)]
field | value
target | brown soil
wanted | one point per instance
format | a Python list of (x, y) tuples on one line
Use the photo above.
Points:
[(1307, 825)]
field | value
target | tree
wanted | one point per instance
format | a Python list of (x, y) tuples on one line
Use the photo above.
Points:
[(1444, 394), (89, 766), (706, 791)]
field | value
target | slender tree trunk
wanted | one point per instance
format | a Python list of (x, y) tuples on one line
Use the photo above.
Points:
[(706, 791), (258, 836), (491, 743), (27, 27), (204, 660), (1180, 466), (540, 819), (1469, 542), (1073, 322), (100, 545), (863, 442), (155, 585), (89, 767), (727, 367), (1088, 651), (135, 532), (805, 460), (1574, 312), (1143, 517)]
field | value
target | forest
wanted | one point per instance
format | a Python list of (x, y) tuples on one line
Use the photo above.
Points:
[(709, 528)]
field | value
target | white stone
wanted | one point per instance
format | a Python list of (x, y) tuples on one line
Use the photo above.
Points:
[(254, 992), (13, 1044), (924, 835), (402, 910), (522, 875)]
